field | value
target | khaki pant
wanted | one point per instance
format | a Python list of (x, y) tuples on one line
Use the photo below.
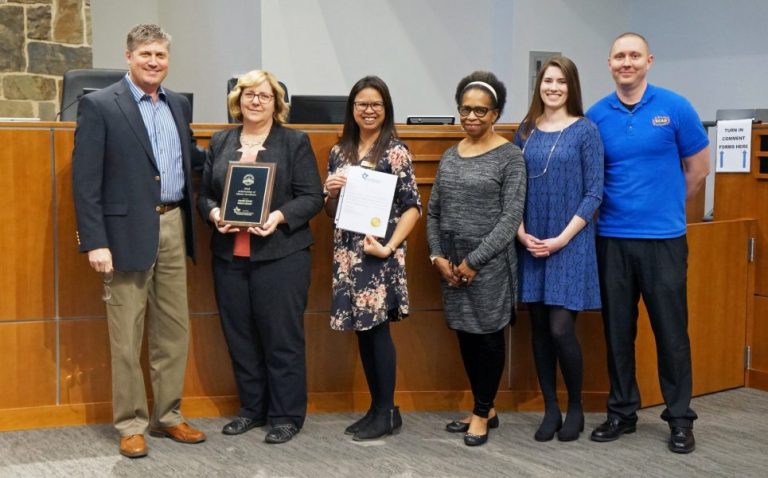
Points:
[(163, 291)]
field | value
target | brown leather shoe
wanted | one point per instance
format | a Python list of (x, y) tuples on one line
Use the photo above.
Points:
[(133, 446), (182, 433)]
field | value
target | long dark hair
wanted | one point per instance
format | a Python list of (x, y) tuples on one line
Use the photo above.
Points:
[(350, 136), (573, 104)]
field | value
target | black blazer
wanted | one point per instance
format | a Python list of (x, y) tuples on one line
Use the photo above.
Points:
[(297, 192), (116, 182)]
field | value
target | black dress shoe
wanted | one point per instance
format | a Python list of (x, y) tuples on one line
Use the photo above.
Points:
[(241, 425), (362, 423), (457, 426), (612, 429), (384, 422), (281, 433), (681, 440)]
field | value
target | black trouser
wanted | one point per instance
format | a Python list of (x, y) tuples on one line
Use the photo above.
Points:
[(261, 305), (657, 270), (483, 357), (379, 357)]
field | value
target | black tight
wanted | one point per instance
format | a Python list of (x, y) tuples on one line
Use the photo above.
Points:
[(554, 339), (483, 357), (377, 352)]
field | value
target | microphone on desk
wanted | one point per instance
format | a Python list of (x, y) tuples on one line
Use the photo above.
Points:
[(76, 100)]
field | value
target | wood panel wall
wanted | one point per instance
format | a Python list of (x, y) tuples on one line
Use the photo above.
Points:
[(740, 195), (54, 348)]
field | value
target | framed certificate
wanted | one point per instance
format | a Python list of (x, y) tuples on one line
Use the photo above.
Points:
[(247, 193)]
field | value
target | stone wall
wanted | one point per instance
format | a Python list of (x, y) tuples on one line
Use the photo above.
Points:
[(39, 41)]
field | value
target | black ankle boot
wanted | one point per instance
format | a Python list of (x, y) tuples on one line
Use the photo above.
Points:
[(384, 422), (355, 427), (574, 424), (551, 423)]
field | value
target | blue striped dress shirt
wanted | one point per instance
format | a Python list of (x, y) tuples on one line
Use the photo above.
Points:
[(164, 137)]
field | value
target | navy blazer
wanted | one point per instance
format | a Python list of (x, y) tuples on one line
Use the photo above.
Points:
[(116, 182), (297, 191)]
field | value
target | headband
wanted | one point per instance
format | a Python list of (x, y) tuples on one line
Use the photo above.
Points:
[(484, 85)]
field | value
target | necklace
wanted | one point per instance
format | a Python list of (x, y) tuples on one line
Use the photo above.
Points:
[(549, 157), (251, 141)]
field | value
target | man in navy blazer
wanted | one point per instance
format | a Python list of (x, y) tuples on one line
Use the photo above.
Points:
[(133, 198)]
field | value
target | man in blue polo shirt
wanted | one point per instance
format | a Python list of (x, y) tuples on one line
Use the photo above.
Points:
[(656, 157)]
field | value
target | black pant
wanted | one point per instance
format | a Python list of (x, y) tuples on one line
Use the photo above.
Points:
[(261, 305), (483, 356), (657, 269)]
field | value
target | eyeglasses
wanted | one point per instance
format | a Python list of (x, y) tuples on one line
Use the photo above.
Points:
[(479, 111), (264, 98), (106, 279), (362, 106)]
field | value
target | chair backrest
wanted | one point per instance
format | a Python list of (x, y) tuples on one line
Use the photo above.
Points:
[(232, 82), (79, 82)]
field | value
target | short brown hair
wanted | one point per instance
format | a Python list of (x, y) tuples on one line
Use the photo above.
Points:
[(146, 33), (253, 78), (630, 34)]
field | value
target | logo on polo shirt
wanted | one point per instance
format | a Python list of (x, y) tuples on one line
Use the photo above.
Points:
[(660, 120)]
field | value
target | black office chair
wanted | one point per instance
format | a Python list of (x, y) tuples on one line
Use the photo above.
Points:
[(80, 82), (232, 82)]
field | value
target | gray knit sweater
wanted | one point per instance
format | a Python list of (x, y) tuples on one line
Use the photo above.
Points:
[(475, 208)]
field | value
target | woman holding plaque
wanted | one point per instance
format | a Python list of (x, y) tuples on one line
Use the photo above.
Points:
[(475, 208), (261, 272), (558, 263), (369, 281)]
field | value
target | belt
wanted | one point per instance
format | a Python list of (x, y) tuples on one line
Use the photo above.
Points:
[(163, 208)]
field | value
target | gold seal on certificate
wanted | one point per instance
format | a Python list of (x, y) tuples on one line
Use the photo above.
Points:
[(247, 193), (375, 222)]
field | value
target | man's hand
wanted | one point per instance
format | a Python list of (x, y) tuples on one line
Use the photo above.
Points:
[(100, 259)]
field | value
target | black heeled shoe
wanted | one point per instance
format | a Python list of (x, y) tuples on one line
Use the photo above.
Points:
[(457, 426), (355, 427), (550, 425), (572, 427), (384, 422)]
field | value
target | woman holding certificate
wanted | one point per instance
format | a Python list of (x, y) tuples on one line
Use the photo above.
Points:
[(261, 272), (369, 281), (558, 264), (475, 208)]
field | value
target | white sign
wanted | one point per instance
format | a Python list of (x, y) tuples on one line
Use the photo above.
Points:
[(734, 146)]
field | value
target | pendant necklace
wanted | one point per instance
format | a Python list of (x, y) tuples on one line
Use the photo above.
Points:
[(549, 157)]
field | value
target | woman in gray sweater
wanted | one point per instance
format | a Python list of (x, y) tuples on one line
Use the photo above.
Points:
[(475, 209)]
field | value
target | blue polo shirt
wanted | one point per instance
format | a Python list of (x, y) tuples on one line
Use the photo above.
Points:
[(644, 185)]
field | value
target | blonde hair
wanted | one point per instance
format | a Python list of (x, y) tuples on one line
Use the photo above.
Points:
[(253, 78)]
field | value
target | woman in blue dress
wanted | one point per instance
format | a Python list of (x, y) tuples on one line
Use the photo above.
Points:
[(369, 282), (558, 267)]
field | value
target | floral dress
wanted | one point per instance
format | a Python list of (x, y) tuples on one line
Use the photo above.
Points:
[(367, 290)]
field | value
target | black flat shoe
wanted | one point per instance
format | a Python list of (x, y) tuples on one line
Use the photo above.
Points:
[(281, 433), (457, 426), (681, 440), (384, 422), (241, 425), (572, 427), (612, 429), (355, 427)]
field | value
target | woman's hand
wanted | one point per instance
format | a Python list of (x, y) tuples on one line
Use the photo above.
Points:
[(268, 228), (447, 271), (547, 247), (372, 247), (334, 183), (215, 218), (466, 274)]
